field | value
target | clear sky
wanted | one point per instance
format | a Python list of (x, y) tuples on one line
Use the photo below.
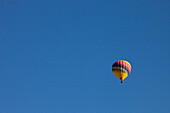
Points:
[(56, 56)]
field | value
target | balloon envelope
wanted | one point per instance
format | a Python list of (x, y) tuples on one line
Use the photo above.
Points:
[(121, 69)]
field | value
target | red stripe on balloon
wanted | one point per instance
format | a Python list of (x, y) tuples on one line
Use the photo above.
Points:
[(122, 63)]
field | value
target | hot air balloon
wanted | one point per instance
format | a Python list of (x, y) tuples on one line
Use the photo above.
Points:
[(121, 69)]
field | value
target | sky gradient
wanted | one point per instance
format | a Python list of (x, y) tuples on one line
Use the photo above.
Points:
[(56, 56)]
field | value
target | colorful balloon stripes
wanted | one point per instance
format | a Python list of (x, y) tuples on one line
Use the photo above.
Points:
[(121, 69)]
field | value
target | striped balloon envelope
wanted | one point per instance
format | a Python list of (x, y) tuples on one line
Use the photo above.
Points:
[(121, 69)]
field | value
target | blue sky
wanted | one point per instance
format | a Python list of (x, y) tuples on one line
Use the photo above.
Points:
[(56, 56)]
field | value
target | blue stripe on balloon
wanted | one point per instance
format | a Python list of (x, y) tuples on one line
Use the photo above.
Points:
[(120, 66), (119, 69)]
